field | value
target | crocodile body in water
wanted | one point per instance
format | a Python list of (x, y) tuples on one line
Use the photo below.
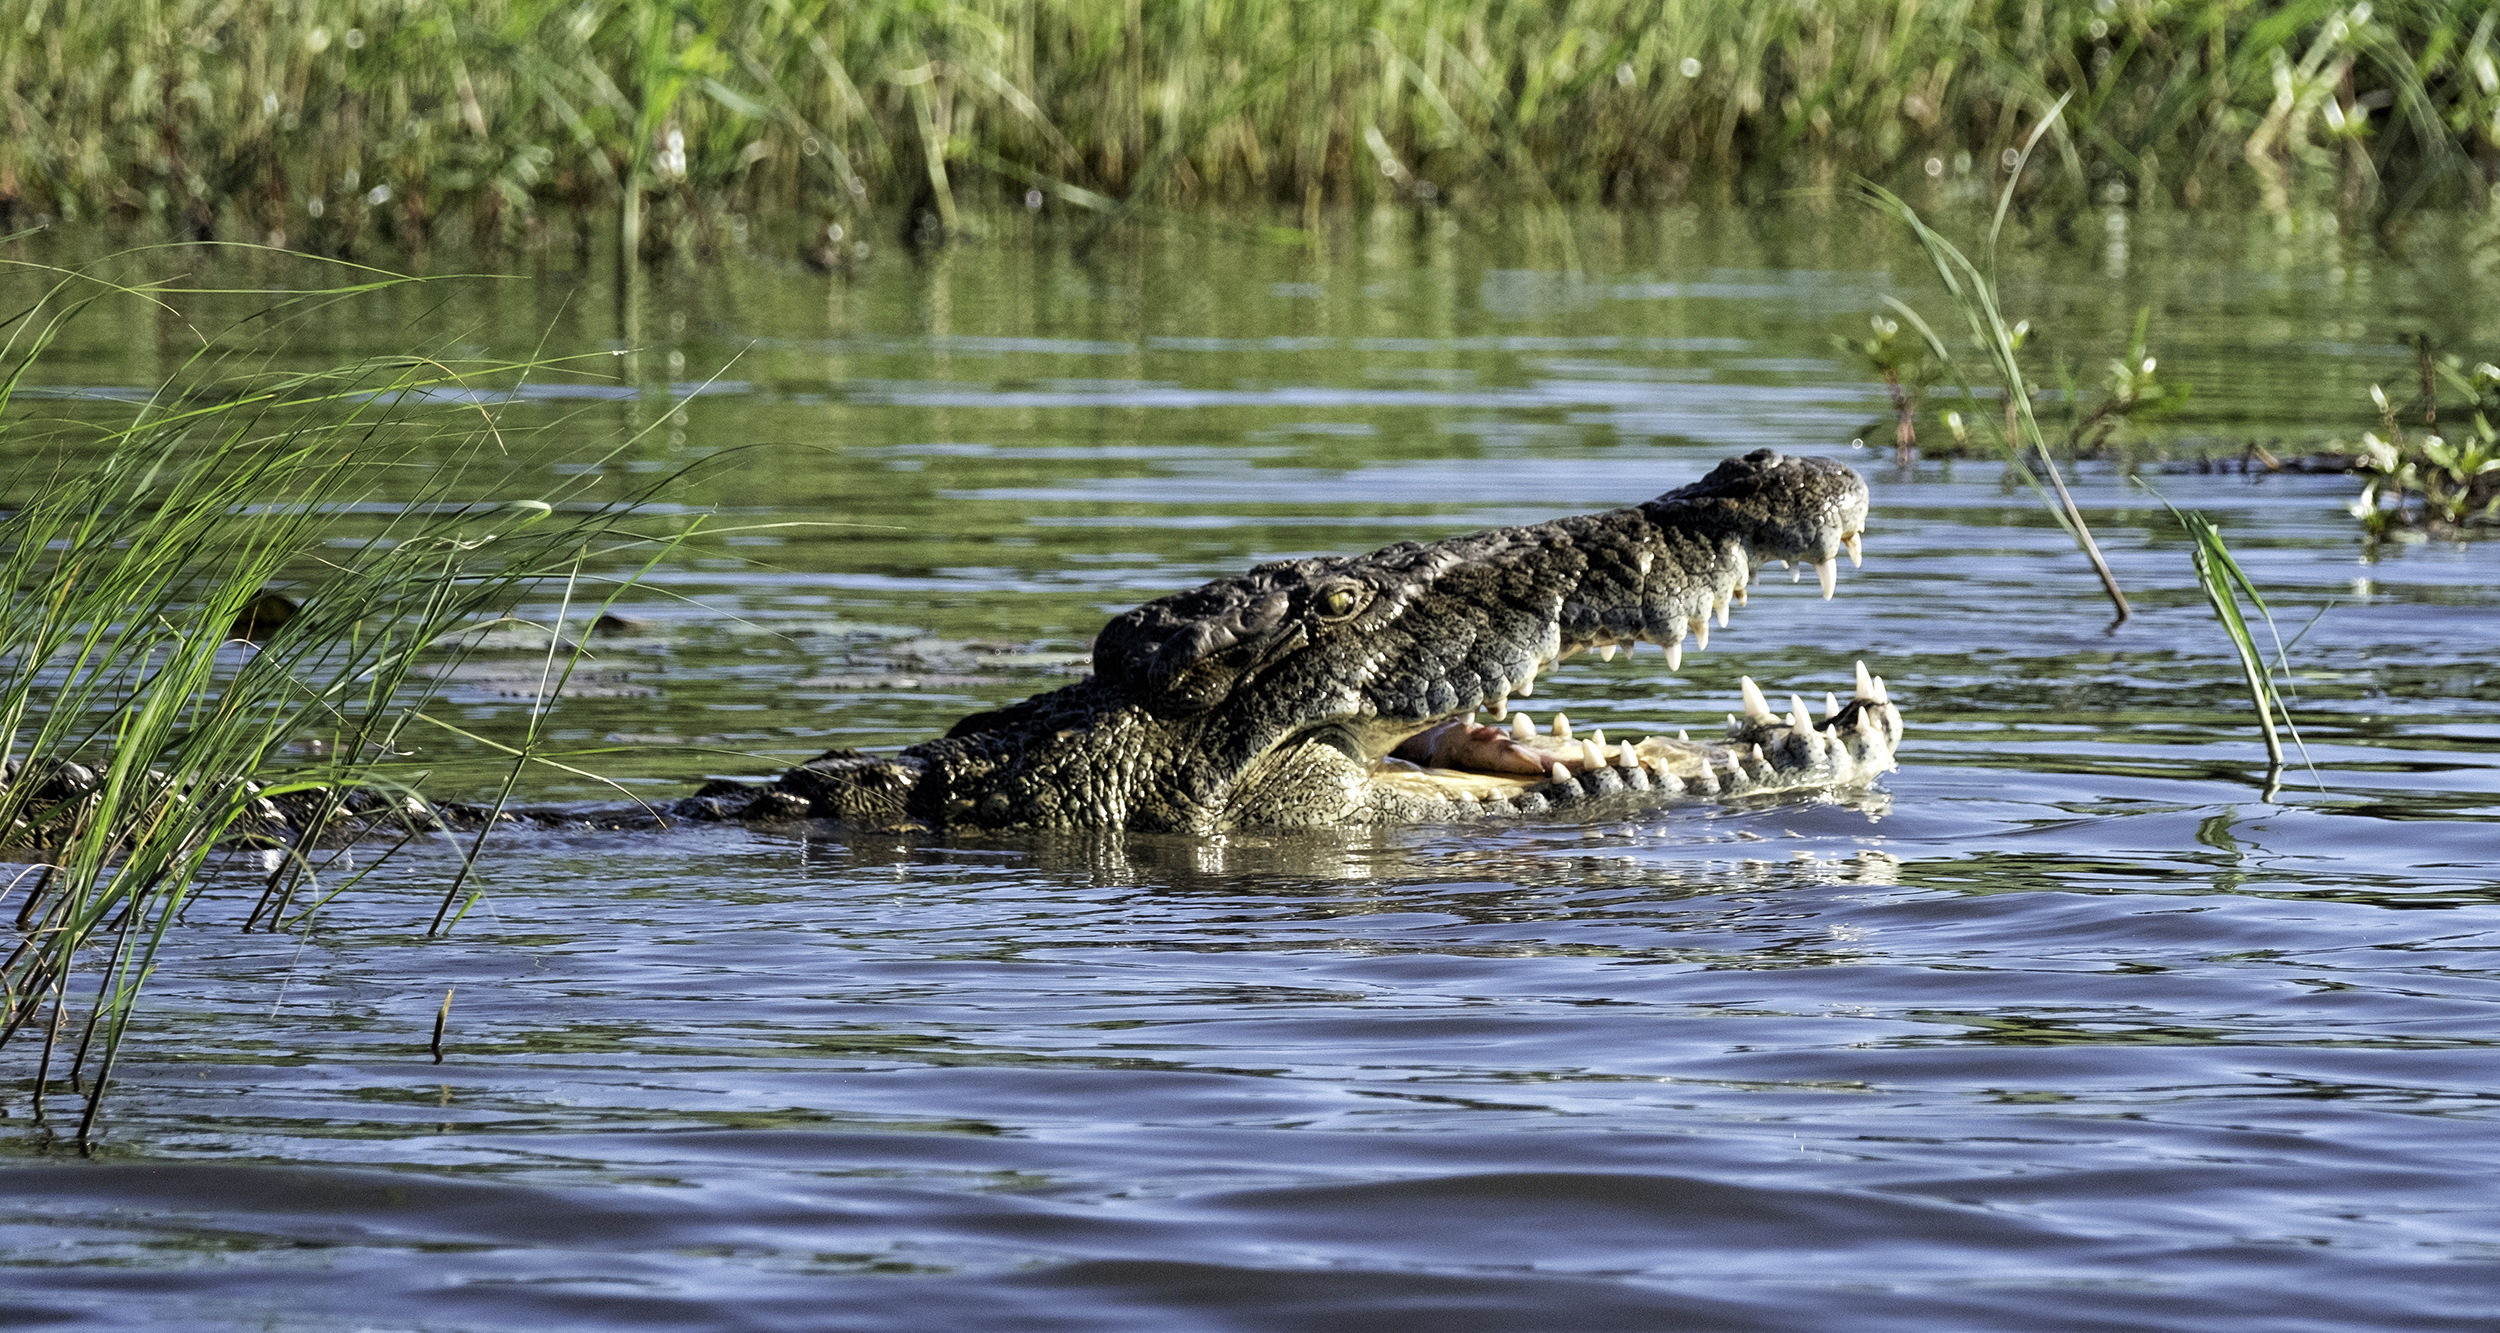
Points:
[(1351, 690), (1348, 690)]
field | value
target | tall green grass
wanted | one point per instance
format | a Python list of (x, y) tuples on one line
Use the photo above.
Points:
[(333, 124), (143, 739)]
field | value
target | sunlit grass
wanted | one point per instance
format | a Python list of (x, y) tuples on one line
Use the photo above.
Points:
[(330, 124), (158, 705)]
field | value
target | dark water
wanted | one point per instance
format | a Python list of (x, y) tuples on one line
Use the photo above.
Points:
[(2067, 1026)]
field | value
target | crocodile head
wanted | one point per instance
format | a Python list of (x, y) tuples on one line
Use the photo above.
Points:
[(1353, 689)]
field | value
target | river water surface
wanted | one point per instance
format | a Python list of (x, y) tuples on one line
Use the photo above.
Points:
[(2065, 1026)]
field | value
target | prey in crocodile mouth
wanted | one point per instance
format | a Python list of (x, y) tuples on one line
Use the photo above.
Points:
[(1357, 689)]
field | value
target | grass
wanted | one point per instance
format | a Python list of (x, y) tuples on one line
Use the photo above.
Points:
[(1972, 289), (144, 738), (335, 125), (2223, 582)]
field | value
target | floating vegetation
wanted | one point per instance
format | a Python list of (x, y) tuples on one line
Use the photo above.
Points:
[(2442, 483), (332, 125)]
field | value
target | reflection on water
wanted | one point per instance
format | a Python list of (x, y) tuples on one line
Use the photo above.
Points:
[(2066, 1027)]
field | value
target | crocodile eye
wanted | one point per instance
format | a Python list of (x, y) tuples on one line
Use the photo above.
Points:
[(1338, 603)]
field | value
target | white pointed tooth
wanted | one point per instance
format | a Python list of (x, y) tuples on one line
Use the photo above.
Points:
[(1740, 594), (1880, 696), (1828, 571), (1850, 542), (1831, 705), (1525, 686), (1598, 736), (1522, 727), (1592, 754), (1797, 717), (1734, 726), (1866, 682), (1683, 735), (1757, 755), (1892, 721), (1500, 708), (1560, 772), (1701, 633), (1675, 655), (1781, 563), (1721, 606), (1797, 571), (1470, 723), (1757, 708), (1562, 727), (1605, 652), (1626, 756)]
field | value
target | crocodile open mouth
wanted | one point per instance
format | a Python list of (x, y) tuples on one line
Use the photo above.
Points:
[(1529, 768)]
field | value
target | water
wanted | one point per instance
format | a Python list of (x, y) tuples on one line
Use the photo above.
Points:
[(2067, 1026)]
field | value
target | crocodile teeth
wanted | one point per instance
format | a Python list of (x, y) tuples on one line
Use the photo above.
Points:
[(1757, 708), (1598, 736), (1522, 728), (1828, 571), (1740, 594), (1627, 757), (1851, 542), (1721, 606), (1866, 683), (1701, 633), (1562, 727), (1880, 696), (1797, 571), (1797, 719), (1605, 652), (1500, 708), (1831, 706), (1675, 655), (1592, 754)]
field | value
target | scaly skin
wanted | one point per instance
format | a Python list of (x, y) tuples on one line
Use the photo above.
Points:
[(1344, 689)]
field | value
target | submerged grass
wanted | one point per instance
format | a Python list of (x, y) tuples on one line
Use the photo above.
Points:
[(331, 124), (143, 736)]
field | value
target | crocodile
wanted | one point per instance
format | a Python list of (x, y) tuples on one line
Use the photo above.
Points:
[(1343, 690), (1336, 690)]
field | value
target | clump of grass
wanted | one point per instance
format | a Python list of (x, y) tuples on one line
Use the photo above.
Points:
[(331, 123), (142, 737)]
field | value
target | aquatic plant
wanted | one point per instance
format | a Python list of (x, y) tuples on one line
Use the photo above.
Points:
[(2444, 483), (1972, 290), (2223, 582), (156, 696), (329, 124)]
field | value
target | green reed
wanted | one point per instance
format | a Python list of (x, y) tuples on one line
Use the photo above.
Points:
[(143, 739), (1972, 289), (2223, 582), (331, 124)]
